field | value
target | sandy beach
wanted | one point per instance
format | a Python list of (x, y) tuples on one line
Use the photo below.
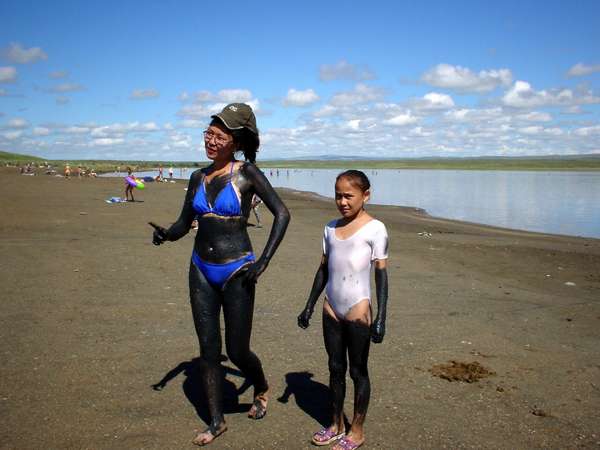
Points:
[(93, 315)]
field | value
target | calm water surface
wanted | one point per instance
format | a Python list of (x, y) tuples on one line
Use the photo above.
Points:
[(548, 202)]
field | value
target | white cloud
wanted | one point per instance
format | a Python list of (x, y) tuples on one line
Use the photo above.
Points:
[(464, 80), (300, 98), (192, 123), (419, 132), (67, 87), (434, 101), (588, 131), (103, 142), (206, 103), (361, 93), (343, 70), (204, 96), (522, 95), (120, 129), (76, 130), (554, 131), (17, 54), (41, 131), (58, 74), (531, 130), (180, 140), (574, 109), (540, 131), (139, 94), (199, 109), (535, 116), (401, 120), (326, 111), (580, 69), (474, 115), (8, 74), (17, 123), (353, 124), (13, 135), (234, 96)]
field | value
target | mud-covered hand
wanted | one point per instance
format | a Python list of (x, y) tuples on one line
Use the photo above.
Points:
[(255, 270), (159, 235), (381, 289), (319, 283), (304, 318), (377, 331)]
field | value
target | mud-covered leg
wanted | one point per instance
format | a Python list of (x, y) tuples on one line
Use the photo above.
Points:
[(336, 348), (238, 310), (359, 338), (206, 307)]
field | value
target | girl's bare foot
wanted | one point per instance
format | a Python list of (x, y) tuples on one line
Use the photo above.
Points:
[(209, 435), (326, 436)]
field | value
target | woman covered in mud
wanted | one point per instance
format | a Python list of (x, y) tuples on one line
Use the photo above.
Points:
[(352, 245), (223, 268)]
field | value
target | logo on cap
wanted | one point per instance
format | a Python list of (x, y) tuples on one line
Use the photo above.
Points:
[(233, 108)]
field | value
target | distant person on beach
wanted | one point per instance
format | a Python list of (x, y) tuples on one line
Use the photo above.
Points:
[(67, 171), (128, 186), (160, 173), (352, 244), (223, 268), (256, 201), (170, 173)]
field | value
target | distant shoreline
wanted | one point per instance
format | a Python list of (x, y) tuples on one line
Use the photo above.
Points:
[(583, 164), (572, 163)]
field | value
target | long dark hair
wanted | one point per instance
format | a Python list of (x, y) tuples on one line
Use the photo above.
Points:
[(245, 140)]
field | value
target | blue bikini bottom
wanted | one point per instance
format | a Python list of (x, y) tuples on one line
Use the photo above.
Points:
[(219, 274)]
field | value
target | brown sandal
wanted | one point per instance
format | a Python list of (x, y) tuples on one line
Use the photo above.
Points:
[(259, 407), (212, 431)]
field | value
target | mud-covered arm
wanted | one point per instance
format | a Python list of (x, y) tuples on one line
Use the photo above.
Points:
[(318, 285), (381, 291), (281, 218), (182, 226)]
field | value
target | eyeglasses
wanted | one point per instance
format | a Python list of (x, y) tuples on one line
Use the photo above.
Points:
[(220, 140)]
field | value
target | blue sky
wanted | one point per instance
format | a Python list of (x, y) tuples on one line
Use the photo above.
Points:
[(139, 80)]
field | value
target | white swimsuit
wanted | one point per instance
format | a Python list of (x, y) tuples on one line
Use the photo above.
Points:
[(349, 263)]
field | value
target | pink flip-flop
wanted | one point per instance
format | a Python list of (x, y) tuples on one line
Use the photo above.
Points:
[(326, 436), (348, 444)]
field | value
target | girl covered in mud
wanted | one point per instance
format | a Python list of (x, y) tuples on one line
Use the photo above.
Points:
[(223, 269), (352, 244)]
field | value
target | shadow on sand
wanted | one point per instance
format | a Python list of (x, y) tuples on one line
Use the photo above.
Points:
[(192, 387), (311, 396)]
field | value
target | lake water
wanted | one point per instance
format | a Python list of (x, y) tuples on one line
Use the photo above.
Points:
[(549, 202)]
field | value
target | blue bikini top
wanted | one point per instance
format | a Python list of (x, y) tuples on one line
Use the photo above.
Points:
[(226, 204)]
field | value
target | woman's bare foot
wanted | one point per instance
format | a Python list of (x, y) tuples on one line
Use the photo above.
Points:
[(259, 406), (209, 435)]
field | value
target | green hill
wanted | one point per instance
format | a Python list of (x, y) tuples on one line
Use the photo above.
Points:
[(15, 158)]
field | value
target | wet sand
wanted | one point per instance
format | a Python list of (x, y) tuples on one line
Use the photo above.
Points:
[(92, 315)]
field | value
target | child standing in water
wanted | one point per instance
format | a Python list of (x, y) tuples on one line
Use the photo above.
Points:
[(351, 244)]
